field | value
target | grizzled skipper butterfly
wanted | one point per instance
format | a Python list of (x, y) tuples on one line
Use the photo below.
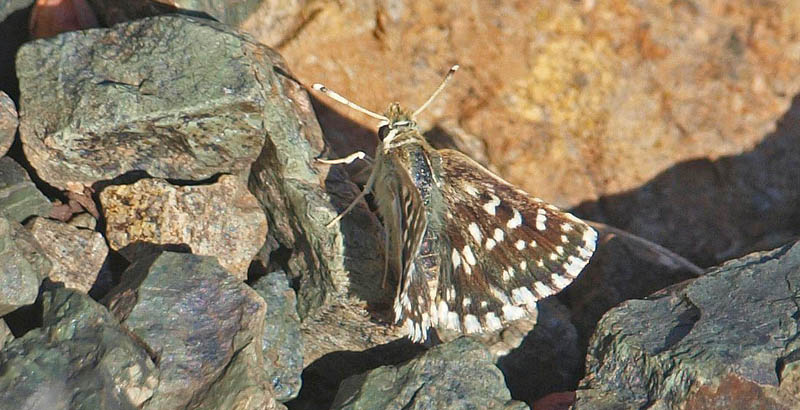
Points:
[(473, 251)]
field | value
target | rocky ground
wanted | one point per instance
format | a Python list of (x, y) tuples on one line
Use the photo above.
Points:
[(162, 216)]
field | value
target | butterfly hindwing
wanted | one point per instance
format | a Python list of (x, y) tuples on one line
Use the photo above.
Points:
[(505, 249)]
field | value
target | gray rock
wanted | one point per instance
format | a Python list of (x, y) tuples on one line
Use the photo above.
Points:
[(19, 197), (10, 6), (730, 336), (23, 266), (5, 334), (205, 326), (456, 375), (281, 344), (99, 103), (79, 359), (8, 122), (302, 196), (77, 254), (221, 219)]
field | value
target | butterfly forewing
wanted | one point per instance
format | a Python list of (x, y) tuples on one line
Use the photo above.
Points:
[(502, 249)]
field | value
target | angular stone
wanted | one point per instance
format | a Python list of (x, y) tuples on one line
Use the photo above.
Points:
[(79, 359), (5, 334), (96, 104), (19, 197), (281, 344), (730, 336), (301, 196), (458, 374), (221, 219), (204, 324), (77, 254), (23, 265), (10, 6), (8, 122)]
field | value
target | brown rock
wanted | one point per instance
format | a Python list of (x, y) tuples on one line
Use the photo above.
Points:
[(77, 254), (222, 219)]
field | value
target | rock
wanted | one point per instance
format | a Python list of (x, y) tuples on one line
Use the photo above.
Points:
[(221, 219), (459, 374), (281, 343), (77, 254), (549, 359), (730, 336), (8, 122), (206, 327), (623, 267), (19, 197), (79, 359), (23, 266), (343, 262), (9, 7), (87, 114), (5, 334)]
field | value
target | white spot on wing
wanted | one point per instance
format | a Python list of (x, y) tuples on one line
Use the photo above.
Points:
[(512, 312), (468, 256), (541, 218), (475, 231), (523, 266), (560, 250), (471, 190), (471, 324), (452, 321), (491, 206), (561, 282), (533, 243), (466, 302), (520, 244), (542, 289), (490, 244), (523, 296), (493, 322), (456, 259), (574, 266), (516, 220), (566, 227), (498, 235)]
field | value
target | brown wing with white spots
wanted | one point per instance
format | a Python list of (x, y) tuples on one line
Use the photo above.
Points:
[(505, 249)]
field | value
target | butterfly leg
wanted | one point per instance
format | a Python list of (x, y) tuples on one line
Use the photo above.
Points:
[(367, 189), (347, 160)]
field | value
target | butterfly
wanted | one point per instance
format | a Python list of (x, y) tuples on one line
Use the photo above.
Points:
[(473, 251)]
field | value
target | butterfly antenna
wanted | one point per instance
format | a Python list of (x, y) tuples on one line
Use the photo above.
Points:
[(435, 94), (338, 98)]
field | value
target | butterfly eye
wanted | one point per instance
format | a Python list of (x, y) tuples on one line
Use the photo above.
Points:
[(383, 132)]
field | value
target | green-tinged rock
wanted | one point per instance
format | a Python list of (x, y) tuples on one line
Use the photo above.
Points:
[(455, 375), (281, 344), (8, 121), (22, 266), (730, 336), (174, 96), (5, 334), (200, 320), (19, 197), (79, 359)]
